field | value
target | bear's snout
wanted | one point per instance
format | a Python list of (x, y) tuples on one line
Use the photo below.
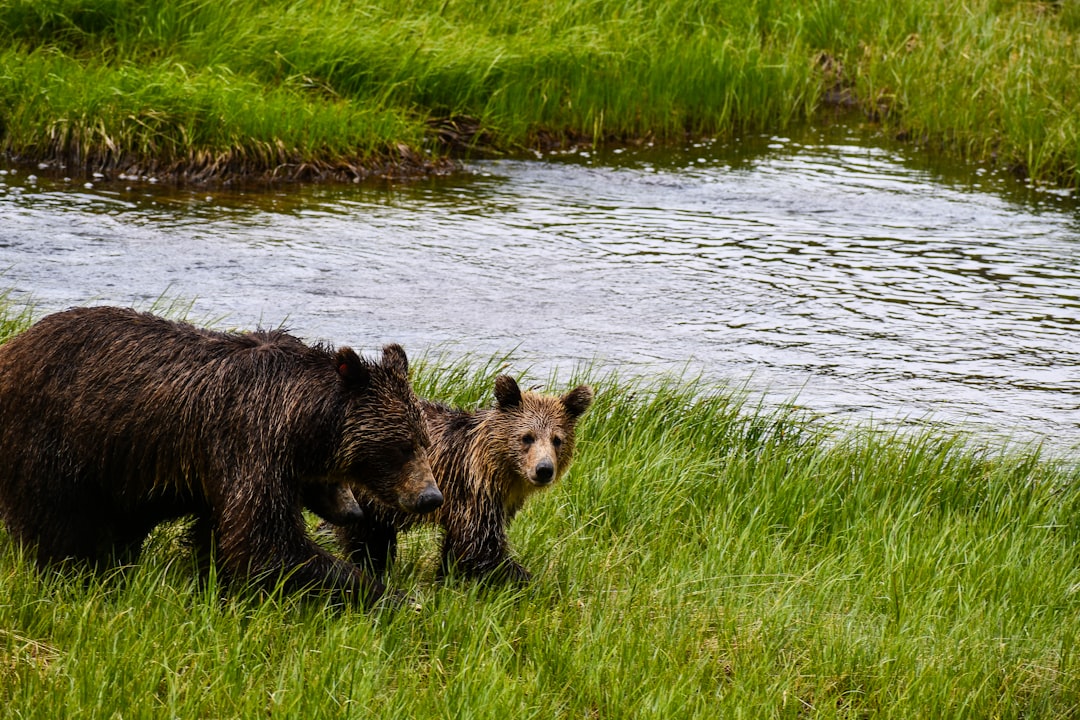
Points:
[(419, 493), (428, 500), (544, 472)]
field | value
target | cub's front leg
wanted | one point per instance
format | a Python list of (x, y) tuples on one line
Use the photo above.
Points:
[(476, 546)]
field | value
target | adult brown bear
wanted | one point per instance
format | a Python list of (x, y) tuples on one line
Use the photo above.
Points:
[(113, 421)]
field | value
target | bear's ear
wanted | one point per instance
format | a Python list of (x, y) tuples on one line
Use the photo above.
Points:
[(507, 392), (578, 400), (393, 358), (351, 368)]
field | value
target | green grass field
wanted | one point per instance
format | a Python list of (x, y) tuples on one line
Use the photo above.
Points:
[(705, 557), (334, 89)]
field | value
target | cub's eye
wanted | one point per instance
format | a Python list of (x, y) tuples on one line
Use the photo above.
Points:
[(528, 439), (557, 442), (404, 452)]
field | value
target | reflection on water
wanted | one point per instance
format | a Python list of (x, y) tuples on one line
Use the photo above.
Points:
[(828, 269)]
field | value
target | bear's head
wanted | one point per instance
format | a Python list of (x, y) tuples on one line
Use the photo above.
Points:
[(384, 443), (535, 433)]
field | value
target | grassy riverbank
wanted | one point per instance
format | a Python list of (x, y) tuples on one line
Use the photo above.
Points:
[(332, 89), (704, 558)]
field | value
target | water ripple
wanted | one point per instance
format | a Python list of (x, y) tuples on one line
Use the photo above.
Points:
[(834, 271)]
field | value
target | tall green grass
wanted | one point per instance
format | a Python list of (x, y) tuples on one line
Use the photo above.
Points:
[(163, 117), (14, 317), (295, 86), (705, 557)]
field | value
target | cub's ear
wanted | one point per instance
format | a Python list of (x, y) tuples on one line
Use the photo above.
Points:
[(393, 358), (507, 392), (351, 368), (578, 400)]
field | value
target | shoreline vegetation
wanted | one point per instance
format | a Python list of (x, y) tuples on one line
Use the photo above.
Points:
[(703, 558), (202, 91)]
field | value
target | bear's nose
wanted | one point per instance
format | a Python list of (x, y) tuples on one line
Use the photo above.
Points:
[(545, 470), (428, 500)]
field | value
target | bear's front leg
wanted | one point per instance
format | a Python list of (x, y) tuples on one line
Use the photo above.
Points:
[(264, 539)]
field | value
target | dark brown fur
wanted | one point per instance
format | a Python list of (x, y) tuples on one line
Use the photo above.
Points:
[(487, 463), (113, 421)]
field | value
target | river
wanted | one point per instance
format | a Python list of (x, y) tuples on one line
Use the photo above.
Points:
[(827, 268)]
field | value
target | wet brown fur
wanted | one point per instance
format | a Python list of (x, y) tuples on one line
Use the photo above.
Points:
[(487, 464), (113, 421)]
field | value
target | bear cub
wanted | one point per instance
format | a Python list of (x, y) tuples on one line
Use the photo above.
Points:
[(487, 463)]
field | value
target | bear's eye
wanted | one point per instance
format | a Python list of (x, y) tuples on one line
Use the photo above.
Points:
[(528, 438), (403, 453), (557, 442)]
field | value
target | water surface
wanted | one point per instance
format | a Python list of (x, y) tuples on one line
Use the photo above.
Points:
[(825, 267)]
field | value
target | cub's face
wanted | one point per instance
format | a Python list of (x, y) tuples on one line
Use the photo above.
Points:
[(384, 447), (538, 430)]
